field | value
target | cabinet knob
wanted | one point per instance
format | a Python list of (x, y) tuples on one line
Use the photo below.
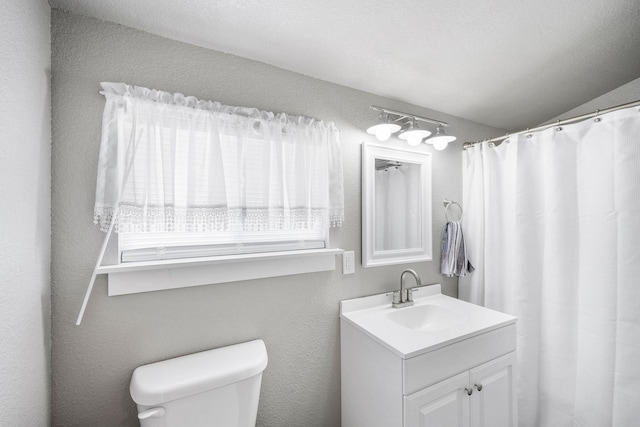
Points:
[(469, 391), (479, 386)]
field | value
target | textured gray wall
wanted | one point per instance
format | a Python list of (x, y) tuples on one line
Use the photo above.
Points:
[(25, 208), (629, 92), (297, 316)]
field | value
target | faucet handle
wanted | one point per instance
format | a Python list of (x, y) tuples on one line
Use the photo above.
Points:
[(410, 294), (410, 291), (396, 296)]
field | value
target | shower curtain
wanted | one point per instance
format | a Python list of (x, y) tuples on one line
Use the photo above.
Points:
[(552, 221)]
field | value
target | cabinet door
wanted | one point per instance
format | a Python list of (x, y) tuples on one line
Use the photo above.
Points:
[(444, 404), (493, 402)]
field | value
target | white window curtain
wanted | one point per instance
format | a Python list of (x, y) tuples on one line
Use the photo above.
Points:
[(173, 163), (553, 226)]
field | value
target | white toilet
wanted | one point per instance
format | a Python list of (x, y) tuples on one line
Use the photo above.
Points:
[(219, 387)]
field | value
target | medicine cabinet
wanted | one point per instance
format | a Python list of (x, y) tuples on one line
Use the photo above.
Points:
[(396, 206)]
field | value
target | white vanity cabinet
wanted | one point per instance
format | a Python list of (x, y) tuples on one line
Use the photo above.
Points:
[(494, 400), (422, 373), (449, 404), (443, 404)]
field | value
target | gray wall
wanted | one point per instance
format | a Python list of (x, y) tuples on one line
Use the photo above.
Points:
[(25, 207), (297, 316), (629, 92)]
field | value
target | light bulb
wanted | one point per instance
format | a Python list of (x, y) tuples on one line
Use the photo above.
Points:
[(414, 139), (441, 139), (440, 144), (384, 128), (383, 133)]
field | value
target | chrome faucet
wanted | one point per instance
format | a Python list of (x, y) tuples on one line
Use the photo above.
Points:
[(404, 297)]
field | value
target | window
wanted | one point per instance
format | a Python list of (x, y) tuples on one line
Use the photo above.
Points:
[(187, 184), (242, 209), (184, 178)]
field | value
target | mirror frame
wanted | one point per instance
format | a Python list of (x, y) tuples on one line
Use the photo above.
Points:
[(370, 256)]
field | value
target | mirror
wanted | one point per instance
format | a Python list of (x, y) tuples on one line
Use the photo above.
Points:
[(396, 206)]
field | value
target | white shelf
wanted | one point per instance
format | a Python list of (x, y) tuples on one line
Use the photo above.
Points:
[(136, 277)]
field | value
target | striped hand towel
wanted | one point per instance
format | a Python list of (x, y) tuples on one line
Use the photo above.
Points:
[(454, 253)]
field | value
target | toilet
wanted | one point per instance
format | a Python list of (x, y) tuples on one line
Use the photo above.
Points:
[(219, 387)]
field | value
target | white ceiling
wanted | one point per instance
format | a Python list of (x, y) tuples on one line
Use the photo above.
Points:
[(507, 63)]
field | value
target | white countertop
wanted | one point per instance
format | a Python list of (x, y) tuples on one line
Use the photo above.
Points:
[(371, 315)]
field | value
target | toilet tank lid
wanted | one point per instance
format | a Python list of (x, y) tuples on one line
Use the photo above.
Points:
[(195, 373)]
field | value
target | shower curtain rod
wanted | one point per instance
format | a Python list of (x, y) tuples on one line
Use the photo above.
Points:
[(557, 123)]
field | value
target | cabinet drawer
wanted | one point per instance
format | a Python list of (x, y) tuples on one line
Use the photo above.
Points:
[(429, 368)]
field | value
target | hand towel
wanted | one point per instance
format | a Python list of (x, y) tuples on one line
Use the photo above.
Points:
[(454, 260)]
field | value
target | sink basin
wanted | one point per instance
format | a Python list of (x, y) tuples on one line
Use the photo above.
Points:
[(426, 317), (434, 321)]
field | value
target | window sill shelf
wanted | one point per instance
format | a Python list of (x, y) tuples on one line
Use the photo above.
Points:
[(136, 277)]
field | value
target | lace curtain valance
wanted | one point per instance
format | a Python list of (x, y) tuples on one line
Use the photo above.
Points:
[(170, 162)]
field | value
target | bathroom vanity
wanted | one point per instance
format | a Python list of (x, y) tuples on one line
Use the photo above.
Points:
[(441, 362)]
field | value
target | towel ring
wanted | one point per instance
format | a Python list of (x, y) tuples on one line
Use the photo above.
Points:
[(447, 205)]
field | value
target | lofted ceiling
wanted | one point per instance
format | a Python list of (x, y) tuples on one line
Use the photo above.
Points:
[(511, 64)]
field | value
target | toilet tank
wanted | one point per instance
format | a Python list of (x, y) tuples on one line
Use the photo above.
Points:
[(219, 387)]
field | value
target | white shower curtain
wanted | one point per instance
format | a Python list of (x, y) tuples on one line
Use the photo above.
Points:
[(552, 221)]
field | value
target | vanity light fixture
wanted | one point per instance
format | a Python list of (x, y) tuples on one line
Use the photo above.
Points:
[(391, 121), (384, 128), (440, 140), (413, 134)]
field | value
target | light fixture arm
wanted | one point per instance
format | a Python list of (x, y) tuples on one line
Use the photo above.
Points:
[(403, 116)]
